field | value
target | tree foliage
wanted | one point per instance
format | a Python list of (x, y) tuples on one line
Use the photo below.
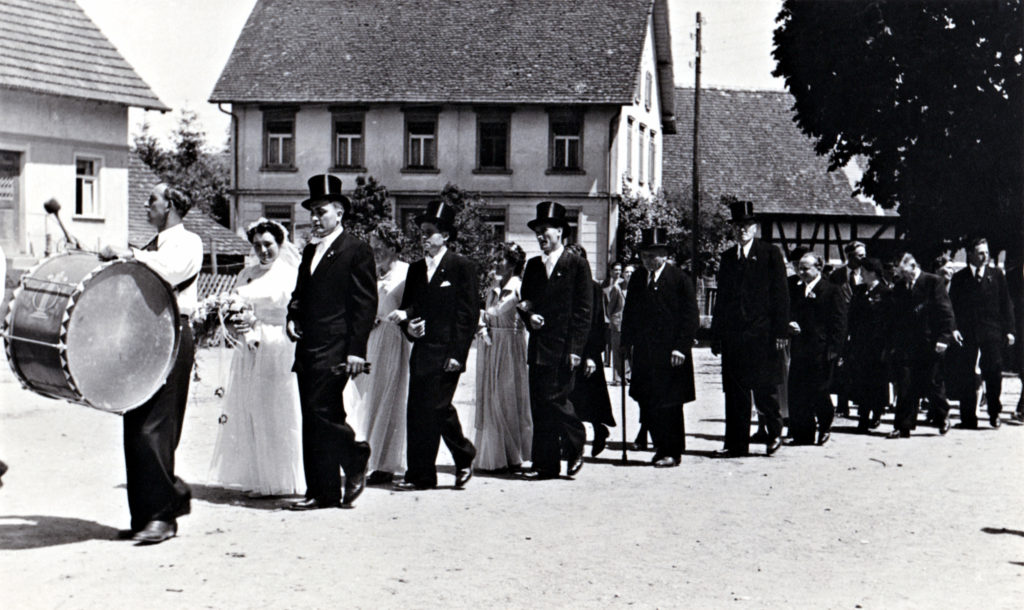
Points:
[(203, 175), (674, 213), (929, 93)]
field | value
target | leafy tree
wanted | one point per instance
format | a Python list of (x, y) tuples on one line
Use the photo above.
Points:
[(929, 93), (204, 175), (674, 213)]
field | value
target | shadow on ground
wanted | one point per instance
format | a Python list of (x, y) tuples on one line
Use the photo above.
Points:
[(19, 532), (234, 497)]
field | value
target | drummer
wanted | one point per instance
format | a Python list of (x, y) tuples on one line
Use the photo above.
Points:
[(156, 497)]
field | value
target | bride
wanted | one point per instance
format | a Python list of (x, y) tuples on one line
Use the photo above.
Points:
[(259, 444)]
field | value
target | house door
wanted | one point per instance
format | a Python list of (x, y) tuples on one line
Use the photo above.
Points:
[(10, 172)]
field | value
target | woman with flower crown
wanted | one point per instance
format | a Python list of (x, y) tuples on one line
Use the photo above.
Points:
[(259, 444)]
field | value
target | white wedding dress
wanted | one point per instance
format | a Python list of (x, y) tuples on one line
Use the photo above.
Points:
[(259, 442)]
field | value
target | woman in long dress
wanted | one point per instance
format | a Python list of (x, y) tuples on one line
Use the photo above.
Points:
[(504, 426), (384, 392), (259, 443)]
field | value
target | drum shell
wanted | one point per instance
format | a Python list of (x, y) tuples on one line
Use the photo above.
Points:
[(102, 334)]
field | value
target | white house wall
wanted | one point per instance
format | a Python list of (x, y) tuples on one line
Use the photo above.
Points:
[(49, 132)]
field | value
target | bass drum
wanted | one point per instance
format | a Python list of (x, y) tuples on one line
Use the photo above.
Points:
[(100, 334)]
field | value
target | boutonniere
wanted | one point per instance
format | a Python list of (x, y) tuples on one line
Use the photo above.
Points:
[(919, 308), (812, 295)]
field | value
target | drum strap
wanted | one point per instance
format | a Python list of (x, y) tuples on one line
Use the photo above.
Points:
[(152, 247)]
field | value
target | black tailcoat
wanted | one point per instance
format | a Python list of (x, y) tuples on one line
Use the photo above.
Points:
[(657, 321), (448, 305), (565, 300), (590, 394), (868, 325), (334, 308)]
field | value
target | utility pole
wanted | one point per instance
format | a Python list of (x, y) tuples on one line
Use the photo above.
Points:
[(695, 217)]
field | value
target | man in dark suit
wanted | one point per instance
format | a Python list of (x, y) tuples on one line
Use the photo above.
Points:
[(818, 325), (557, 299), (749, 328), (330, 316), (921, 331), (660, 323), (984, 318), (439, 314), (847, 278)]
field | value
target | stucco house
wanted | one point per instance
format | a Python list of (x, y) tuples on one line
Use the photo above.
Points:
[(521, 101), (64, 98), (750, 148)]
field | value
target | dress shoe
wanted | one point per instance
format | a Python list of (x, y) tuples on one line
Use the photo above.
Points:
[(156, 532), (1019, 416), (409, 486), (380, 477), (667, 462), (728, 453), (897, 433), (538, 475), (773, 445), (354, 486), (823, 438), (600, 441), (966, 425), (462, 476), (875, 422), (311, 504), (574, 465), (944, 426), (995, 421)]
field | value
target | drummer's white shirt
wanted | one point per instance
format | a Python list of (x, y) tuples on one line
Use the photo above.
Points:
[(178, 256)]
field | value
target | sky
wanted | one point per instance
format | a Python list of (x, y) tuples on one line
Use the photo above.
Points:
[(179, 47)]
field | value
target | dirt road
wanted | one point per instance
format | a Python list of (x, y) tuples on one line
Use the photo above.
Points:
[(864, 522)]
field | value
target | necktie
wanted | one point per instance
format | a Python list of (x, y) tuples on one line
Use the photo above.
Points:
[(977, 274), (151, 246)]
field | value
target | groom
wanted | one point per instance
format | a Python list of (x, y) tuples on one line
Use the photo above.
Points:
[(330, 316)]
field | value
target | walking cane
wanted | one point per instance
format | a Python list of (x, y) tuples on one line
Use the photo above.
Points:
[(622, 379)]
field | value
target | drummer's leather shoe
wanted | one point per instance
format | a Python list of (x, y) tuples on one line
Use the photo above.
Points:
[(156, 532), (311, 504)]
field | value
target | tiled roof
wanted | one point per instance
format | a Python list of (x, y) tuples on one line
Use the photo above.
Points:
[(750, 148), (438, 51), (51, 46), (141, 181)]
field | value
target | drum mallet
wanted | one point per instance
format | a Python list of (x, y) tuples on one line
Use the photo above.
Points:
[(53, 207)]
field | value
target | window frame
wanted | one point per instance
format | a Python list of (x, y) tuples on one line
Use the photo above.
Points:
[(348, 115), (420, 115), (93, 179), (278, 206), (650, 164), (630, 122), (493, 116), (279, 115), (561, 116), (648, 90), (640, 152)]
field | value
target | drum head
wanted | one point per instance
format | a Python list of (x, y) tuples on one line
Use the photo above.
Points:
[(122, 337)]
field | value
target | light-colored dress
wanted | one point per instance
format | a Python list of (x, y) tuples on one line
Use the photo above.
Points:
[(382, 395), (259, 441), (504, 426)]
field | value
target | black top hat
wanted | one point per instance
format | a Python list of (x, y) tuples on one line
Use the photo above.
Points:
[(656, 237), (325, 187), (549, 212), (439, 213), (742, 211)]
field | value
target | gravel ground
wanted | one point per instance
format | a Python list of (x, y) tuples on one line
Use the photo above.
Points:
[(864, 522)]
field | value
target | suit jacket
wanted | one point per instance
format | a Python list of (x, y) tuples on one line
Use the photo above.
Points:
[(984, 312), (448, 304), (336, 305), (614, 300), (922, 317), (589, 395), (868, 326), (566, 302), (822, 319), (658, 320), (751, 312)]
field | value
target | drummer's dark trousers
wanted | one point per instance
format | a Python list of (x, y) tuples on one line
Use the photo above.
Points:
[(327, 439), (151, 434)]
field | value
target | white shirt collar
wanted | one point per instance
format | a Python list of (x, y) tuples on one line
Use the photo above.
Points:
[(436, 259), (974, 270), (810, 287), (743, 250), (917, 274), (326, 241), (657, 272), (169, 232), (553, 256)]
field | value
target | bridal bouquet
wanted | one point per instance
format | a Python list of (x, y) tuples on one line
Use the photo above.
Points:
[(222, 318)]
